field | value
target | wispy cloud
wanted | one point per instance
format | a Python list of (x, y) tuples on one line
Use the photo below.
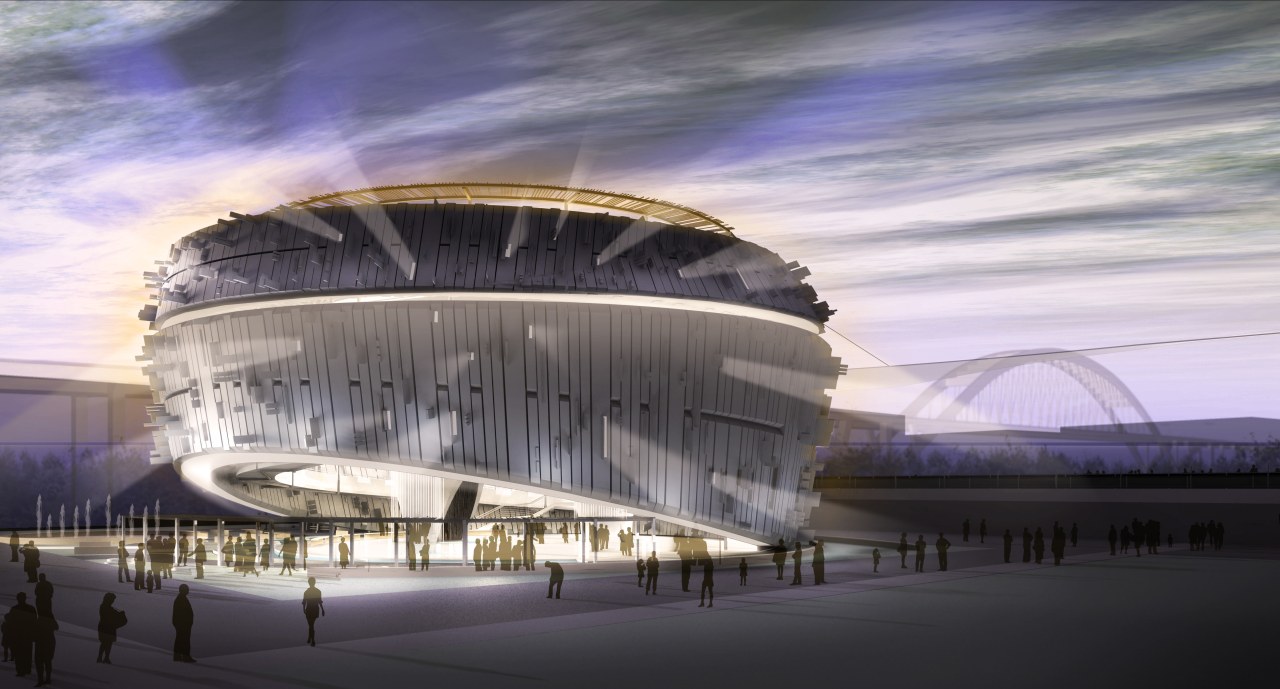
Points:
[(962, 178)]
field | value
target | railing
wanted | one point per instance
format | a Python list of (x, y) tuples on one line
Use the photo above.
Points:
[(1087, 481)]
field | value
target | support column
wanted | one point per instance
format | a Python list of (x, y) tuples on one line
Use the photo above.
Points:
[(395, 544), (582, 526), (333, 526), (221, 542)]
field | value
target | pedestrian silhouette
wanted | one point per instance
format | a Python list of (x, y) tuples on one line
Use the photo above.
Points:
[(708, 582), (30, 561), (44, 647), (651, 574), (151, 581), (139, 567), (5, 639), (875, 560), (109, 621), (639, 572), (557, 577), (183, 545), (344, 553), (903, 549), (1038, 545), (288, 555), (122, 564), (819, 563), (312, 607), (742, 572), (982, 530), (200, 557), (942, 544), (920, 546), (183, 619), (44, 597), (228, 552), (424, 554), (780, 557), (798, 556), (21, 623), (1008, 545), (1075, 534), (15, 542), (1125, 537)]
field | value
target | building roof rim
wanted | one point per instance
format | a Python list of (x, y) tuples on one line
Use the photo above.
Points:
[(716, 225)]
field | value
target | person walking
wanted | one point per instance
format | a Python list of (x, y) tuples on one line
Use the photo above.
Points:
[(15, 543), (708, 582), (344, 553), (903, 549), (819, 563), (651, 574), (798, 557), (45, 644), (742, 572), (780, 557), (942, 544), (920, 546), (183, 619), (875, 560), (139, 567), (21, 630), (982, 530), (1026, 545), (31, 561), (44, 597), (109, 621), (557, 577), (201, 556), (122, 565), (312, 607)]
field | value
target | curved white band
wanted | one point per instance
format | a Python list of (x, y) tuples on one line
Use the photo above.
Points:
[(605, 299)]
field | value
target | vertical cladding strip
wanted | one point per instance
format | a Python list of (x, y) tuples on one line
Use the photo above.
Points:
[(540, 348), (570, 472), (440, 389), (512, 393), (679, 418), (547, 392), (602, 426), (497, 382), (473, 385), (527, 398), (454, 331)]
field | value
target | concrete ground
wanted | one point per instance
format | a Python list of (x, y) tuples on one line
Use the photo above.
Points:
[(1176, 619)]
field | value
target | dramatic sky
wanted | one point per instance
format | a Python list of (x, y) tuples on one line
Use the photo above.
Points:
[(962, 178)]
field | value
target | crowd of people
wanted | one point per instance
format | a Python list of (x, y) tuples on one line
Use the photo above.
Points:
[(28, 631)]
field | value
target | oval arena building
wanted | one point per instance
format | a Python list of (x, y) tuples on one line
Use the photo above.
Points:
[(448, 350)]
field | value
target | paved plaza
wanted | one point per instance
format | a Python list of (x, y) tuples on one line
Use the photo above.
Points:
[(1179, 618)]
